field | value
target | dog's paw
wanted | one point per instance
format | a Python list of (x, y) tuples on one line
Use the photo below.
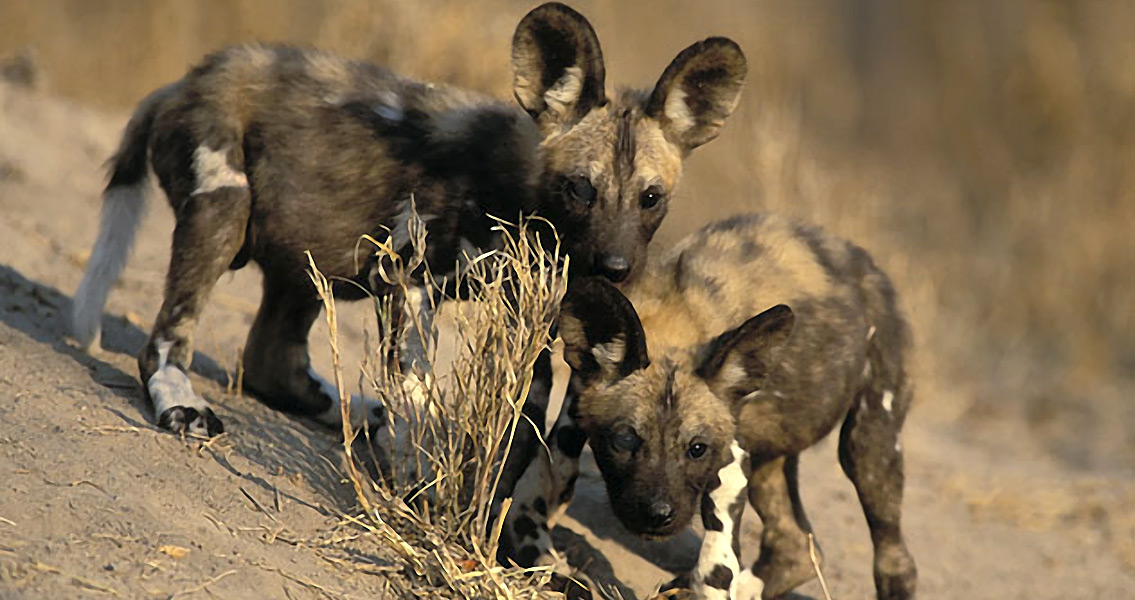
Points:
[(190, 420), (676, 588), (571, 587), (178, 408)]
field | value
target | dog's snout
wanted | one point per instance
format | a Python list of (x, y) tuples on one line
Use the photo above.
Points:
[(614, 267), (660, 513)]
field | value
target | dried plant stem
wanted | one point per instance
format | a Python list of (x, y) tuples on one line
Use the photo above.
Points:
[(816, 565)]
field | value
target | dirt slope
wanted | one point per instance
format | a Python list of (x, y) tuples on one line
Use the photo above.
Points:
[(95, 502)]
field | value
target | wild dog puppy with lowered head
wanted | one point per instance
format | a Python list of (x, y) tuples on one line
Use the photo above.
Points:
[(703, 380), (265, 152)]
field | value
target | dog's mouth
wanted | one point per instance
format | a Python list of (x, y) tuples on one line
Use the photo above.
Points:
[(654, 533), (658, 535)]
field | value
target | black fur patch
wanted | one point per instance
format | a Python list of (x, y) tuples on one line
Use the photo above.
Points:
[(569, 489), (524, 527), (526, 556), (571, 439), (735, 222), (709, 516), (540, 506), (668, 395), (815, 241), (751, 250), (720, 578), (625, 145)]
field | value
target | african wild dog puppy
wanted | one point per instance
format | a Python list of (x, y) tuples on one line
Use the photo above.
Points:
[(688, 399), (265, 152)]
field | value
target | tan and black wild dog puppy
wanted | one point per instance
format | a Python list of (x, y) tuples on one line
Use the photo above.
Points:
[(265, 152), (704, 379)]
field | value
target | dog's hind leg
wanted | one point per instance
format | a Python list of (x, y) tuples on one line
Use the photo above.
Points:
[(277, 367), (870, 452), (210, 230)]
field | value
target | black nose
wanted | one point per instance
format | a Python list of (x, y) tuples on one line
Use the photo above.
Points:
[(614, 267), (660, 513)]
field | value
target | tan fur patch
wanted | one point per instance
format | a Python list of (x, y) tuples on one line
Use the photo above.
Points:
[(726, 278), (328, 69), (612, 353), (657, 161), (678, 112), (565, 93)]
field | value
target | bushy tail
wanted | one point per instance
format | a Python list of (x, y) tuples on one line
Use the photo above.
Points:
[(124, 206)]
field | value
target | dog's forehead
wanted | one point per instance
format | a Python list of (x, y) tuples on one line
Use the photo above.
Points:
[(616, 142), (590, 142), (665, 395)]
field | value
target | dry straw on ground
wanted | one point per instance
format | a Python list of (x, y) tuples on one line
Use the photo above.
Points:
[(438, 457)]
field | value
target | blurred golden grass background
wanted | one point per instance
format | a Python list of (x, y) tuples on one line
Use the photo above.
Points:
[(983, 151)]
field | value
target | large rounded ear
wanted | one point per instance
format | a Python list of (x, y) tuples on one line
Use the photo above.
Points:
[(558, 66), (603, 338), (698, 91), (738, 361)]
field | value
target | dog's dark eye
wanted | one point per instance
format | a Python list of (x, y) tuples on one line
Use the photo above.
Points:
[(697, 450), (651, 197), (581, 190), (626, 439)]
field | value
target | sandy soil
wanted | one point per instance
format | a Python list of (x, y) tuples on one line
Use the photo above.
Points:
[(96, 502)]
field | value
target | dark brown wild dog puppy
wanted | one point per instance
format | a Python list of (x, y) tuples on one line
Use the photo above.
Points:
[(265, 152), (741, 347)]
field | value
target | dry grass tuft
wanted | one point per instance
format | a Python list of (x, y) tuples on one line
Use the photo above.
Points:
[(438, 457)]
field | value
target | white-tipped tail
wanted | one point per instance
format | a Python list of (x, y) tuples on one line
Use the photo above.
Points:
[(122, 211)]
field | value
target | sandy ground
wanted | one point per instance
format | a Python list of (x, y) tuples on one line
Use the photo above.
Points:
[(96, 502)]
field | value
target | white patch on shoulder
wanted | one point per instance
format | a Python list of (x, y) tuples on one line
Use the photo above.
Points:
[(678, 112), (888, 400), (747, 586), (213, 171), (169, 387), (717, 546), (566, 90), (360, 408)]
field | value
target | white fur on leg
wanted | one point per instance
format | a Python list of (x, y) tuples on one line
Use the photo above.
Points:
[(747, 586), (169, 387), (122, 211), (399, 438), (362, 409), (717, 546)]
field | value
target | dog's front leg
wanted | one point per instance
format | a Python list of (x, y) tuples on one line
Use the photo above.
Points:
[(544, 490), (718, 574)]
